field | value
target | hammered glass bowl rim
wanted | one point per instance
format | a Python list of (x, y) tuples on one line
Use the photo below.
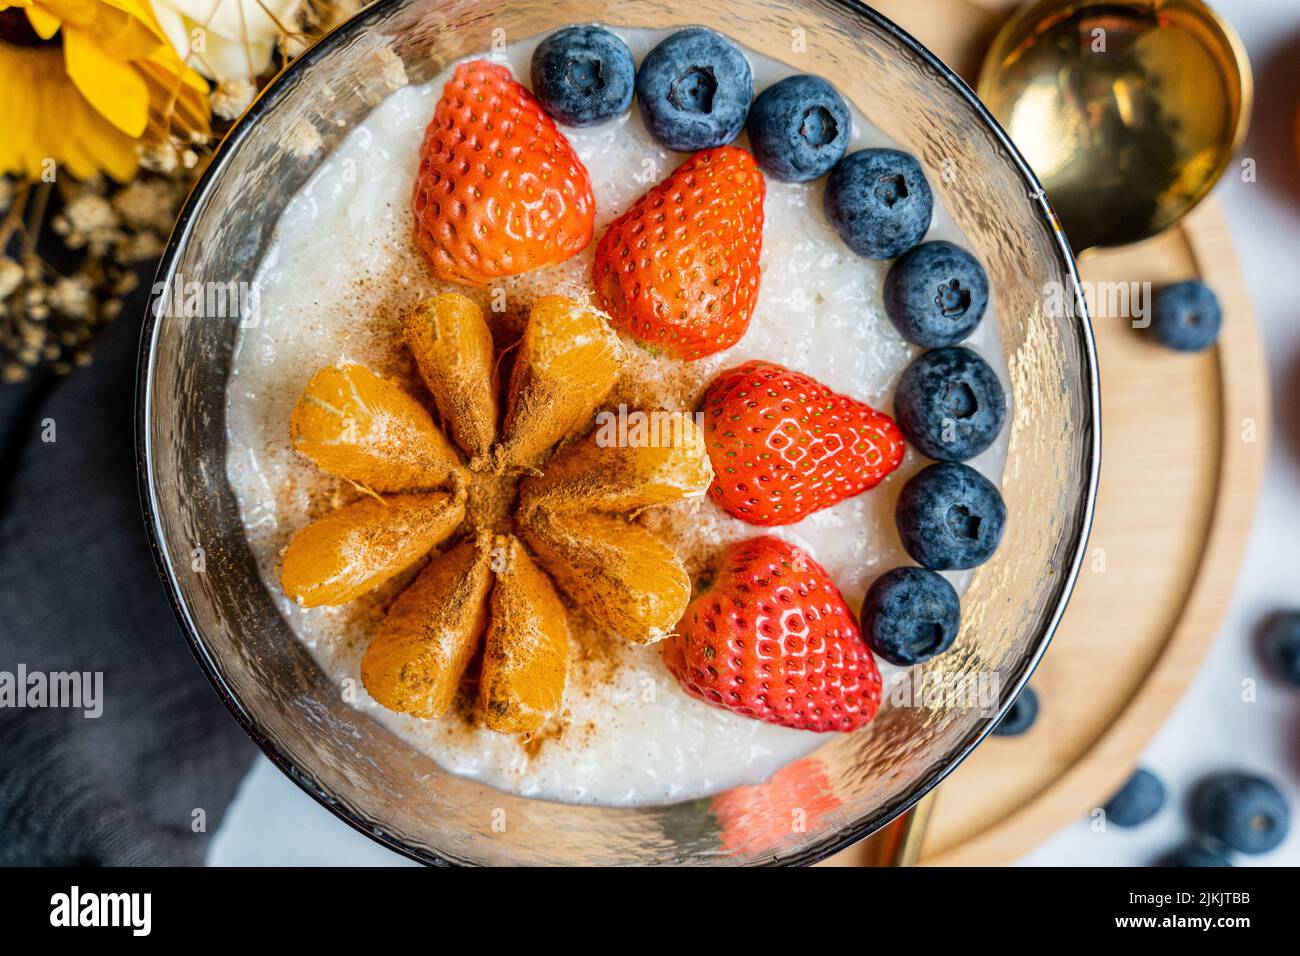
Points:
[(266, 101)]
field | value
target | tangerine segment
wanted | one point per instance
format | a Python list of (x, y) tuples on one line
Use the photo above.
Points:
[(567, 362), (452, 346), (362, 545), (525, 656), (430, 634), (357, 425), (599, 473), (626, 578)]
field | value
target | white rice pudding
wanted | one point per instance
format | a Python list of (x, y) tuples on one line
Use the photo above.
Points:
[(338, 274)]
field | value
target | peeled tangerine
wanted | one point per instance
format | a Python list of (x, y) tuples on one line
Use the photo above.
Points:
[(594, 474), (525, 656), (453, 349), (430, 634), (360, 546), (566, 364), (357, 425), (622, 575)]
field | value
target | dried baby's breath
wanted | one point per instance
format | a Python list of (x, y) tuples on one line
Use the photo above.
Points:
[(231, 98), (48, 317)]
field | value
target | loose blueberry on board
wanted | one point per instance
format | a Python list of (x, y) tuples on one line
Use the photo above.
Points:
[(879, 202), (1194, 854), (1241, 811), (949, 404), (1140, 799), (694, 90), (910, 615), (583, 75), (950, 517), (1282, 646), (936, 294), (1020, 716), (799, 128), (1186, 316)]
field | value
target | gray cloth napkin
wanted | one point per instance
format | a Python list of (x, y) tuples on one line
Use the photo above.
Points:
[(147, 781)]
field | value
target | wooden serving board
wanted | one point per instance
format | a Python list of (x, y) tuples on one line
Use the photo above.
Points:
[(1184, 444)]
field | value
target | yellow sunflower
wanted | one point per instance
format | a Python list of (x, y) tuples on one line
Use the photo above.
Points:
[(84, 82)]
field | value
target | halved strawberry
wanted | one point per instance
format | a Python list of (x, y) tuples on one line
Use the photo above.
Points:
[(679, 270), (783, 445), (771, 638), (499, 191)]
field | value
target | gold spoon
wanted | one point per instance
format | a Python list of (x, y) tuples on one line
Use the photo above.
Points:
[(1129, 112)]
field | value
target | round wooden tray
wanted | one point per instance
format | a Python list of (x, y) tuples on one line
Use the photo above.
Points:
[(1184, 443)]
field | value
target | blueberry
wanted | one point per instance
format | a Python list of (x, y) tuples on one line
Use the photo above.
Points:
[(799, 128), (949, 516), (1020, 716), (1241, 811), (1194, 854), (879, 202), (910, 615), (583, 75), (1186, 316), (694, 89), (936, 294), (949, 404), (1282, 645), (1140, 799)]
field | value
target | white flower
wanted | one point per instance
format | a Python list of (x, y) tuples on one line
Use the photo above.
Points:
[(226, 39)]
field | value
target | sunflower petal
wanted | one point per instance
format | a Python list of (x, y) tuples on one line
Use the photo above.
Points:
[(114, 88), (123, 34), (43, 22)]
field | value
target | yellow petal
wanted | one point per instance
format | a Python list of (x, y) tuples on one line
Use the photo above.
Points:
[(74, 113), (122, 34), (114, 151), (114, 88), (43, 22)]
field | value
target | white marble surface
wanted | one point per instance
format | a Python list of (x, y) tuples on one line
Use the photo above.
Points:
[(273, 822)]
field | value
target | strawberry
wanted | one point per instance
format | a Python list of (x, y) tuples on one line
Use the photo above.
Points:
[(783, 445), (771, 638), (679, 270), (499, 191), (757, 819)]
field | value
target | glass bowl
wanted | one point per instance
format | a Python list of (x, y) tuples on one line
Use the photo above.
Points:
[(849, 787)]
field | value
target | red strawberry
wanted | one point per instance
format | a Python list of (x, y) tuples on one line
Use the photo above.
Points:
[(500, 191), (679, 270), (783, 445), (771, 638)]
